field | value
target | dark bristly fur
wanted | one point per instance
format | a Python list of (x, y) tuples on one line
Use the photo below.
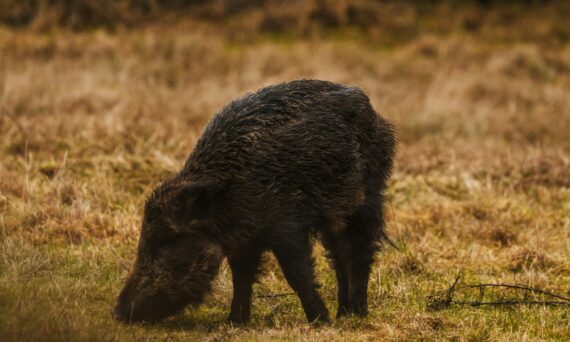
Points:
[(272, 169)]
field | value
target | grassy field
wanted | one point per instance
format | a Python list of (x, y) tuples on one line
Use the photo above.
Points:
[(91, 121)]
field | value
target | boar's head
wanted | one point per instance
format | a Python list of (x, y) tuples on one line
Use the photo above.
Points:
[(178, 253)]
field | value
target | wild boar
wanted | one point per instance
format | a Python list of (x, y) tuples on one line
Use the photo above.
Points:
[(272, 170)]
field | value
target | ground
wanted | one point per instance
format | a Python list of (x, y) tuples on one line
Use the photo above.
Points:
[(91, 121)]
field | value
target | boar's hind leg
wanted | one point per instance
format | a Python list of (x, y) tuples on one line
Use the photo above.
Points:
[(337, 251), (363, 233), (296, 261), (244, 271)]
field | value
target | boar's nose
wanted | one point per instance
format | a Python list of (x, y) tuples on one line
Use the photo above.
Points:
[(119, 314), (123, 311), (125, 314)]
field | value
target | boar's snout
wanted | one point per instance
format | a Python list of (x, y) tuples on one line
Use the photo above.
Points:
[(153, 313), (141, 302), (121, 313), (150, 312), (150, 309), (124, 309)]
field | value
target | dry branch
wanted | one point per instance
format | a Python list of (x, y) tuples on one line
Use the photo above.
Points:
[(444, 299)]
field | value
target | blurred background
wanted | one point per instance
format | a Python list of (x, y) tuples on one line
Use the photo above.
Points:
[(100, 100), (496, 67)]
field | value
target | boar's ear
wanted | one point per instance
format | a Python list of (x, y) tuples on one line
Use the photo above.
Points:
[(196, 200)]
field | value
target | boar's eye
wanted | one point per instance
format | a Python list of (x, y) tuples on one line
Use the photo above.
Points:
[(166, 241), (178, 248), (152, 244)]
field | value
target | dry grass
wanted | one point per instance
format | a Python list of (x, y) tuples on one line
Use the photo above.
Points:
[(91, 121)]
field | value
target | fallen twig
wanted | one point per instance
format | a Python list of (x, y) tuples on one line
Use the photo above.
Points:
[(444, 299), (513, 302), (520, 287)]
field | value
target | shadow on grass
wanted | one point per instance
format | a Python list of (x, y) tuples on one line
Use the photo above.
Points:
[(204, 322)]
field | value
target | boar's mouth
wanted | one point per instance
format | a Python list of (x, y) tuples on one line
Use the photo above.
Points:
[(151, 310), (150, 299), (136, 306)]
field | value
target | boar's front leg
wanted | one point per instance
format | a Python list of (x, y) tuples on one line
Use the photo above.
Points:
[(244, 271), (296, 260)]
